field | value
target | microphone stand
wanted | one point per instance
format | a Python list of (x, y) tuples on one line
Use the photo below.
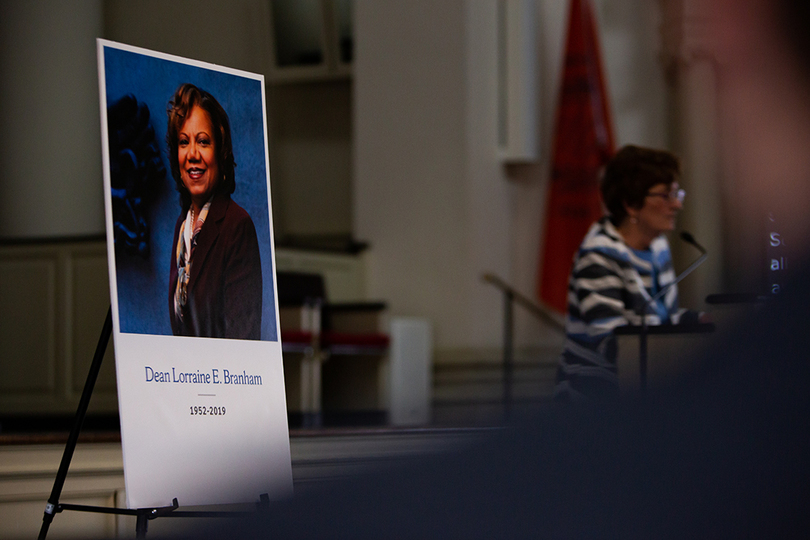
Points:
[(642, 336)]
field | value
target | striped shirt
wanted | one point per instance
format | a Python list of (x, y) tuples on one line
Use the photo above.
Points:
[(609, 285)]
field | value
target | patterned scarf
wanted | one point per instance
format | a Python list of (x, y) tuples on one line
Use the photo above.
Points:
[(186, 243)]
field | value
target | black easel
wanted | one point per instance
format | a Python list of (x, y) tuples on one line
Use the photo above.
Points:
[(143, 515)]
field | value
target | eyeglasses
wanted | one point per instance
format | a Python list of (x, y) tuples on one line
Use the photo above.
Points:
[(677, 194)]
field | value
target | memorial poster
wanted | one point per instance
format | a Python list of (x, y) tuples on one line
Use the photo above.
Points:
[(192, 280)]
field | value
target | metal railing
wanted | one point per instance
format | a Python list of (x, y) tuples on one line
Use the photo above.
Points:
[(539, 310)]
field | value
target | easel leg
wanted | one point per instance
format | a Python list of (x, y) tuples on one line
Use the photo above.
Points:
[(141, 524), (53, 501)]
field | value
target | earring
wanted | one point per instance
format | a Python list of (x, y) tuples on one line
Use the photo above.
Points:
[(633, 220)]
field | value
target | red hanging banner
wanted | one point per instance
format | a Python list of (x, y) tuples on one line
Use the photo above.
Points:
[(583, 142)]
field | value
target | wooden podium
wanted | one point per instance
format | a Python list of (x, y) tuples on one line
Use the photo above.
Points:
[(670, 348)]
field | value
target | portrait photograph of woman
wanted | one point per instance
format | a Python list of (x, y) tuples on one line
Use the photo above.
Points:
[(193, 245), (215, 279)]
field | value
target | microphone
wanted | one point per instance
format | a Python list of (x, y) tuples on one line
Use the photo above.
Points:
[(642, 341), (689, 239)]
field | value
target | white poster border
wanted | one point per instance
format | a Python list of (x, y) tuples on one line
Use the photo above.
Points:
[(239, 448)]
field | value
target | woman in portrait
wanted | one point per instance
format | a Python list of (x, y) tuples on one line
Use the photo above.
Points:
[(215, 278), (621, 264)]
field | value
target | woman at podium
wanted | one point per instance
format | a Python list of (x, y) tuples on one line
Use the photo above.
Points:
[(622, 263), (215, 279)]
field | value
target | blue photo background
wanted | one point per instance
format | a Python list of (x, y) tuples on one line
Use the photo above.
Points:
[(143, 281)]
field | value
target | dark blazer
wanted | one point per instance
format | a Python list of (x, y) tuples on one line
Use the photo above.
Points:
[(225, 286)]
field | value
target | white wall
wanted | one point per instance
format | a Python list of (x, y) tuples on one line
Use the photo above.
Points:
[(631, 51), (430, 194), (310, 157), (50, 150), (489, 196)]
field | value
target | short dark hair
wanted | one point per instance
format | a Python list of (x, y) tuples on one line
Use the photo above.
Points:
[(630, 174), (186, 97)]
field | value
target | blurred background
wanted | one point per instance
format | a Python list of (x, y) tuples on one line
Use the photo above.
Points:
[(410, 154)]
